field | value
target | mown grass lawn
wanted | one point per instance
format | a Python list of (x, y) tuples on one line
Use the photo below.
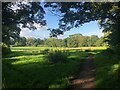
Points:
[(29, 69)]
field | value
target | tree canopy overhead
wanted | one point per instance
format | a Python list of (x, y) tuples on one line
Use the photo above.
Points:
[(16, 13), (72, 14)]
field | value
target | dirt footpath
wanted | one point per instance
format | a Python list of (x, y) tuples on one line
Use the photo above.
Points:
[(86, 77)]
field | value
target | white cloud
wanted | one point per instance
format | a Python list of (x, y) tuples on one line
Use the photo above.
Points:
[(63, 36), (40, 33), (98, 32), (38, 26)]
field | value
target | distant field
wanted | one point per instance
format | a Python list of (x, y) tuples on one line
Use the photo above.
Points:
[(55, 48)]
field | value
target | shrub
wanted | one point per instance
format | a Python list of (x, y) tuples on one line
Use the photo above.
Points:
[(87, 50), (35, 52), (109, 51), (45, 51), (56, 56)]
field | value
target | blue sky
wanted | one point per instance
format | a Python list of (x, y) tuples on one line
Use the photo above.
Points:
[(87, 29)]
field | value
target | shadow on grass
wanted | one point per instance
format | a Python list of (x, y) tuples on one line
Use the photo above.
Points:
[(40, 75), (36, 73), (107, 70)]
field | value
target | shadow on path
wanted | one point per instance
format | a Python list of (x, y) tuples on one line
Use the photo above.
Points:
[(86, 77)]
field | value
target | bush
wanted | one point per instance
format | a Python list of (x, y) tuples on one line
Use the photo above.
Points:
[(35, 52), (117, 50), (45, 51), (109, 52), (57, 56), (87, 50)]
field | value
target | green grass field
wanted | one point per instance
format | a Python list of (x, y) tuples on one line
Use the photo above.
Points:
[(26, 67)]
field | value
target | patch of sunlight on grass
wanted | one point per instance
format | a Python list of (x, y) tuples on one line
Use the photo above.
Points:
[(25, 57), (31, 48), (60, 83), (60, 48), (29, 60), (114, 68), (97, 82), (54, 86), (18, 50), (72, 57)]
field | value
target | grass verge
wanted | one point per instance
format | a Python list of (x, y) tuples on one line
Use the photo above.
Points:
[(107, 70)]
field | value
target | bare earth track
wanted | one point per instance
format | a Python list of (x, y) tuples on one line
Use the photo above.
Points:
[(86, 77)]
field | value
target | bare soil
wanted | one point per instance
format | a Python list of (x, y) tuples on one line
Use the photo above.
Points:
[(86, 77)]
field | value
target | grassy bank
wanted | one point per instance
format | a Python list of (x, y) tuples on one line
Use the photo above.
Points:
[(107, 70)]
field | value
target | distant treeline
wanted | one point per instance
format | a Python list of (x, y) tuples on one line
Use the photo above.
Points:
[(75, 40)]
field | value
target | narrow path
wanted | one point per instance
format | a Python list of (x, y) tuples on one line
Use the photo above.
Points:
[(86, 77)]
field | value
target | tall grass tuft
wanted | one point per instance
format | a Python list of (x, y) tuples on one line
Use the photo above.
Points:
[(46, 51), (57, 56)]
